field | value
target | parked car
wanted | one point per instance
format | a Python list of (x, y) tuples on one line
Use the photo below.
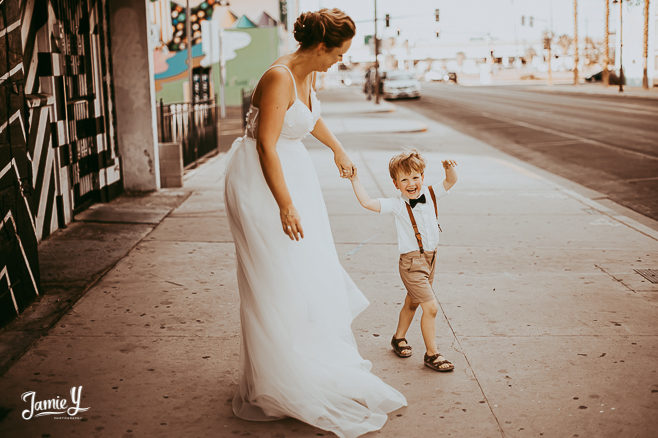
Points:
[(613, 79), (398, 84), (441, 76)]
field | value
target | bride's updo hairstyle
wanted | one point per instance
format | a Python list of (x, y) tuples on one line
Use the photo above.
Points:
[(329, 26)]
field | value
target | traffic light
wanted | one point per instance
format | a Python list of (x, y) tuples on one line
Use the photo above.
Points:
[(530, 19), (387, 20), (522, 20), (438, 34), (436, 15)]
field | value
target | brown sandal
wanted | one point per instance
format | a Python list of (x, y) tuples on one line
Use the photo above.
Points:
[(403, 351), (436, 366)]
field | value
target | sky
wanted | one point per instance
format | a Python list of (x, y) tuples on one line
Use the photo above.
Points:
[(464, 19)]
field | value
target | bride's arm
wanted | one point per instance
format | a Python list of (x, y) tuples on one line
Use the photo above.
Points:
[(276, 89), (343, 162), (321, 132)]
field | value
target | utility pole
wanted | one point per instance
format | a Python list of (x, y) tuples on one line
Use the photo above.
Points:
[(222, 75), (548, 39), (188, 31), (606, 43), (550, 58), (645, 48), (621, 46), (377, 97), (190, 78), (575, 42)]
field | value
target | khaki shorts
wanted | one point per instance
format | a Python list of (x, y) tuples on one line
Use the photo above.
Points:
[(417, 273)]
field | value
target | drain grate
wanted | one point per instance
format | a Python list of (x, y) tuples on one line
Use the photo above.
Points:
[(649, 274)]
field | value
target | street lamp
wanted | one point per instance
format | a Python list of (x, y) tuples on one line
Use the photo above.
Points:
[(621, 44)]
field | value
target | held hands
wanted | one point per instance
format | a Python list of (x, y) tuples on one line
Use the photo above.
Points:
[(291, 223), (345, 166)]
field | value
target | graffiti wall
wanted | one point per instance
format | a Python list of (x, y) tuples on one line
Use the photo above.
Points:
[(57, 144), (247, 52)]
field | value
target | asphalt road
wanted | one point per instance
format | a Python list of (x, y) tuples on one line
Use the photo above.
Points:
[(606, 143)]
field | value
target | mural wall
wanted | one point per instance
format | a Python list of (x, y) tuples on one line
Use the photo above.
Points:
[(57, 147), (247, 48), (242, 70)]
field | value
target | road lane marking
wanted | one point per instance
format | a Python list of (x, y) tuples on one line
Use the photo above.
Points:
[(572, 136), (553, 143)]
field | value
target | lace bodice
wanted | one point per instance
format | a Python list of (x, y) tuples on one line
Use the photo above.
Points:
[(298, 121)]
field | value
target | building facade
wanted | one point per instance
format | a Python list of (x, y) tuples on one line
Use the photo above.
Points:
[(61, 147)]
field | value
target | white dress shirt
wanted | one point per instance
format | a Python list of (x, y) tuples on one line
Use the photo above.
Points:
[(424, 215)]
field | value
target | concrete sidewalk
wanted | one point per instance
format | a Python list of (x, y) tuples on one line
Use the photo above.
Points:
[(552, 332)]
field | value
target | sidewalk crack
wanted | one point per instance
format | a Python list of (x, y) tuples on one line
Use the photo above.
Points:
[(461, 350), (618, 280)]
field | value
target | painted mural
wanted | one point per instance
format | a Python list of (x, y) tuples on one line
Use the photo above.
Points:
[(246, 48)]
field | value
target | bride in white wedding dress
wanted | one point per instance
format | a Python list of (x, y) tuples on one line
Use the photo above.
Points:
[(299, 356)]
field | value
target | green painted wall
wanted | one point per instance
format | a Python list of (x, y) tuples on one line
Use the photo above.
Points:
[(242, 72), (171, 91)]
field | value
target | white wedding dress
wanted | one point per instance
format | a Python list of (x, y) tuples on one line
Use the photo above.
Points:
[(299, 357)]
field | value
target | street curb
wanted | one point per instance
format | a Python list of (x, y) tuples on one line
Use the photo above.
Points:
[(591, 198)]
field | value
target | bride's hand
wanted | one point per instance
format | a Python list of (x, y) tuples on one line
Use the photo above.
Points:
[(291, 223), (345, 166)]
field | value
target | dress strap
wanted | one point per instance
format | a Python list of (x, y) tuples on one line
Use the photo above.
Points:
[(294, 84)]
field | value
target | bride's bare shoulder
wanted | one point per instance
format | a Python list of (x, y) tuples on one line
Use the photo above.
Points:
[(276, 84)]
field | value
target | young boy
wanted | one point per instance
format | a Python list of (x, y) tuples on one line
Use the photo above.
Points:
[(416, 221)]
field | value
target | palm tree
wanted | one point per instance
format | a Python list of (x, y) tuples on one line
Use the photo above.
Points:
[(606, 43), (564, 43), (645, 53)]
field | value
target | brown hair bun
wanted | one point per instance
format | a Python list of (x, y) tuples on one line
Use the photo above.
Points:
[(329, 26)]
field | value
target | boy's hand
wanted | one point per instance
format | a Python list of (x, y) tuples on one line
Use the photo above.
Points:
[(354, 175), (451, 173), (447, 164)]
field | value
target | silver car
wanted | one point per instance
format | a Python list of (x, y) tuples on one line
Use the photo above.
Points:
[(398, 84)]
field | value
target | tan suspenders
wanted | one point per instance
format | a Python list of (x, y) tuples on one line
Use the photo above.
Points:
[(413, 220)]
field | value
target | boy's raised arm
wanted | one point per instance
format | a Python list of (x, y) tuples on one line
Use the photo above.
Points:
[(451, 174), (362, 195)]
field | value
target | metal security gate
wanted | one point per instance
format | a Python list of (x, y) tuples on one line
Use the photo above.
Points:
[(88, 138)]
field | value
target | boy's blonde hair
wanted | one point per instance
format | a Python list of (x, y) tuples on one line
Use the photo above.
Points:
[(406, 162)]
